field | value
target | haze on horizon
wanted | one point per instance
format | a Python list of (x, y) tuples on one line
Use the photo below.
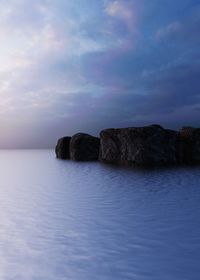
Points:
[(70, 66)]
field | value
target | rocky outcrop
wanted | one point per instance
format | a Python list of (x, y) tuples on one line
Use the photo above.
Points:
[(189, 145), (139, 146), (62, 148), (84, 147), (134, 146)]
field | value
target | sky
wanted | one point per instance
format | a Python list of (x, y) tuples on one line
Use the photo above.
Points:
[(85, 65)]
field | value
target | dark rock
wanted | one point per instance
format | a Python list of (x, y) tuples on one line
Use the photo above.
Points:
[(140, 146), (84, 147), (189, 145), (62, 148)]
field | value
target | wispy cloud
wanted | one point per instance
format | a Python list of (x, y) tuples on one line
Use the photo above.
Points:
[(122, 10)]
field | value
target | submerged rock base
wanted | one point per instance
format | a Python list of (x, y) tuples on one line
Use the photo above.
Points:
[(134, 146)]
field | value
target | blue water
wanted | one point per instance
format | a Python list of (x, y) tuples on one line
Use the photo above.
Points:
[(87, 221)]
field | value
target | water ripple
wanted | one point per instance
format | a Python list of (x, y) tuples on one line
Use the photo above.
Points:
[(80, 221)]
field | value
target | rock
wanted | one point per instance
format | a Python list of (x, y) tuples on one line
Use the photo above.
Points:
[(62, 148), (140, 146), (189, 145), (84, 147)]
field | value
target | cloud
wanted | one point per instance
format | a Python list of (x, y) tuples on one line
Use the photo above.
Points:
[(184, 29), (120, 9), (170, 30), (124, 11), (68, 66)]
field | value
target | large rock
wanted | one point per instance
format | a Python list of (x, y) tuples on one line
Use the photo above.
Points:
[(140, 146), (189, 145), (84, 147), (62, 148)]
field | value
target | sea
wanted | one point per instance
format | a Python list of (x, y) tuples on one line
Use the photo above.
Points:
[(63, 220)]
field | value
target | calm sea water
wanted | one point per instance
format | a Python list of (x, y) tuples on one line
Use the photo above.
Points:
[(62, 220)]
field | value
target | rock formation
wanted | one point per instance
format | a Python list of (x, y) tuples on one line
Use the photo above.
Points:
[(139, 146), (84, 147), (134, 146), (62, 148)]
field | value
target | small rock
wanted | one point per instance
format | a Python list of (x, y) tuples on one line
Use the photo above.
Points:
[(189, 145), (62, 148), (84, 147)]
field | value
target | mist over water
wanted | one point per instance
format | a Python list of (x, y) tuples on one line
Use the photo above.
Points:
[(81, 221)]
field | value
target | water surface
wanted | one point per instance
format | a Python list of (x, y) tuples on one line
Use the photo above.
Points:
[(61, 220)]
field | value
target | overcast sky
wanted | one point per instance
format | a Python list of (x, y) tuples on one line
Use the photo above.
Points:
[(84, 65)]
